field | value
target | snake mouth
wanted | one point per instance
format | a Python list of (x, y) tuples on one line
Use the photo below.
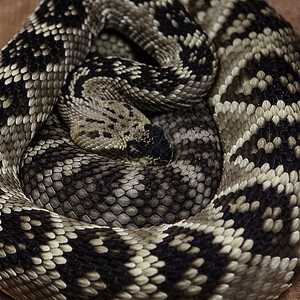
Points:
[(148, 161), (155, 150)]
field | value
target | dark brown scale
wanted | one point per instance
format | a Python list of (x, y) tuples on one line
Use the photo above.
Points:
[(94, 134), (106, 134)]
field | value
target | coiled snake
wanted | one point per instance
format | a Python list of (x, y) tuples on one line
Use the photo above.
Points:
[(242, 245)]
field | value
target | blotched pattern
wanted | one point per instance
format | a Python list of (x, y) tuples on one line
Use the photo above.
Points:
[(243, 245)]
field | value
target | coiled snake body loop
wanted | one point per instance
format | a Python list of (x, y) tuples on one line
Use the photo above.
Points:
[(243, 244)]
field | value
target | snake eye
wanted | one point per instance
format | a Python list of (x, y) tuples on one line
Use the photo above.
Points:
[(133, 152)]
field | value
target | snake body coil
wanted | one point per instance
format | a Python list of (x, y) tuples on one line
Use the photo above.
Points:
[(243, 245)]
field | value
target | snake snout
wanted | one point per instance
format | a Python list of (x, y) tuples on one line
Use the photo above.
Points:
[(153, 150)]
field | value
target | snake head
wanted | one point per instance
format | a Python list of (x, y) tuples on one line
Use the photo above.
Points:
[(154, 149)]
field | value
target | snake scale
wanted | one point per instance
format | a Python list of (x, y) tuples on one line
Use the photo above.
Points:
[(244, 244)]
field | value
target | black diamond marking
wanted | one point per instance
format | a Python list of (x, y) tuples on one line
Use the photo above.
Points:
[(186, 25), (199, 70), (84, 258), (178, 13), (62, 12), (17, 92), (177, 262), (284, 154), (261, 21), (12, 234), (25, 57), (265, 243), (273, 65)]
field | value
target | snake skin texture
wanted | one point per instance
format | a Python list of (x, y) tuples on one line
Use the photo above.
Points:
[(93, 190), (244, 243)]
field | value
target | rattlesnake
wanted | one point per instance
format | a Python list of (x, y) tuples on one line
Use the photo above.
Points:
[(243, 244)]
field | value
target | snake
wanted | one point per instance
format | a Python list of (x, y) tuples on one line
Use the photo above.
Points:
[(238, 239)]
